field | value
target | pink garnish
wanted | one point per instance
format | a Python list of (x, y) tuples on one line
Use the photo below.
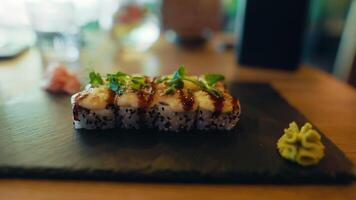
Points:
[(58, 80)]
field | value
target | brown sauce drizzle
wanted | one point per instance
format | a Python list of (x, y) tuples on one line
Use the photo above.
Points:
[(218, 103), (235, 104), (186, 99), (145, 96), (111, 98), (76, 107)]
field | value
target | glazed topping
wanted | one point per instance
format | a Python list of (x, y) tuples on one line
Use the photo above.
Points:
[(204, 100), (94, 98), (301, 146), (128, 99), (218, 102), (170, 100), (225, 103), (136, 98)]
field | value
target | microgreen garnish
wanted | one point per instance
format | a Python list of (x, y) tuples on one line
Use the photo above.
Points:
[(211, 79), (117, 82), (162, 79), (95, 79), (120, 82), (180, 73), (138, 82), (176, 81)]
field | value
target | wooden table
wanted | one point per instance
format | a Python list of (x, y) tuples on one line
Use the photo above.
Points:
[(330, 104)]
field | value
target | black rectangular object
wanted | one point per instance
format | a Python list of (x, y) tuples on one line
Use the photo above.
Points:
[(37, 140), (271, 33)]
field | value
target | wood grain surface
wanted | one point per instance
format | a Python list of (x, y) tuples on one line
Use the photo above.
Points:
[(330, 104)]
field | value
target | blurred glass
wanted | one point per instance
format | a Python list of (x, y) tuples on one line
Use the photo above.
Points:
[(325, 26), (56, 30), (136, 25), (229, 28), (229, 13)]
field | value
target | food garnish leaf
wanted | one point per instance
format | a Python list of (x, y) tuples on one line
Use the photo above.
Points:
[(138, 82), (121, 74), (211, 79), (162, 79), (176, 81), (180, 73), (120, 81), (95, 79)]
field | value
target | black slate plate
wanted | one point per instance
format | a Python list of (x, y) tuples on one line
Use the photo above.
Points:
[(37, 141)]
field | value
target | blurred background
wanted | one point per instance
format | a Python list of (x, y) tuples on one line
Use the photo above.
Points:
[(145, 35)]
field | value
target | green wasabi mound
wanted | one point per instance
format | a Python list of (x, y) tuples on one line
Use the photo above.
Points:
[(302, 146)]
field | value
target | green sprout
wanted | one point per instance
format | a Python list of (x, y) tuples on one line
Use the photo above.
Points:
[(177, 81)]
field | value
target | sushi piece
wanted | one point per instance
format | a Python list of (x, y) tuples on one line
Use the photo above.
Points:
[(94, 108), (217, 112), (134, 108), (175, 111), (221, 113)]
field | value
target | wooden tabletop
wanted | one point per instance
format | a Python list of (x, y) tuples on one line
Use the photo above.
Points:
[(328, 103)]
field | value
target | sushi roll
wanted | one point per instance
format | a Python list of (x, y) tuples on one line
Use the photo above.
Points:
[(175, 111), (176, 102), (134, 106), (93, 108), (217, 112)]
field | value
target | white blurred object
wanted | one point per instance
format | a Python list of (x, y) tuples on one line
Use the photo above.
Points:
[(7, 16), (86, 11), (107, 8), (57, 31), (52, 16)]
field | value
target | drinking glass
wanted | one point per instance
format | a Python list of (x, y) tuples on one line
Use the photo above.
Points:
[(56, 30), (136, 25)]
